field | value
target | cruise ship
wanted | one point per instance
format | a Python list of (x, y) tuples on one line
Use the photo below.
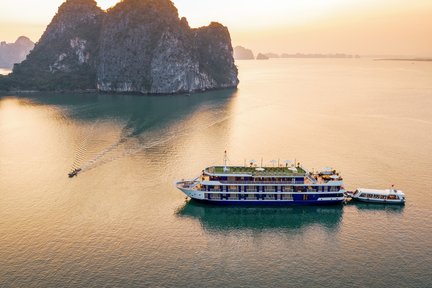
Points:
[(286, 185)]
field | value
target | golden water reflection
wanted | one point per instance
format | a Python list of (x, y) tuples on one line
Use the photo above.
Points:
[(121, 219)]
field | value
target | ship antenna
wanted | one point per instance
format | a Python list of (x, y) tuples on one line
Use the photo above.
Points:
[(225, 159)]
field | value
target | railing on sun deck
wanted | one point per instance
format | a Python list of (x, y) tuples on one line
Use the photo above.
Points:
[(252, 171), (258, 182)]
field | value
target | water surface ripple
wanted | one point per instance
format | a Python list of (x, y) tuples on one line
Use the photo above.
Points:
[(122, 223)]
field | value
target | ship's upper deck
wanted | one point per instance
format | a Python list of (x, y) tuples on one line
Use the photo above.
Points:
[(268, 175), (255, 171)]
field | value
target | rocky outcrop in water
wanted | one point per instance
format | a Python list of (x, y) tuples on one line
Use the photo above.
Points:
[(136, 46), (261, 56), (242, 53), (12, 53)]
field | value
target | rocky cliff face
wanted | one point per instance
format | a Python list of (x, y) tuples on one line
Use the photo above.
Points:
[(146, 48), (136, 46), (66, 56), (216, 54), (12, 53)]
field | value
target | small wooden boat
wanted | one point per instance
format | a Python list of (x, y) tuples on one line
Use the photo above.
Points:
[(74, 173), (387, 196)]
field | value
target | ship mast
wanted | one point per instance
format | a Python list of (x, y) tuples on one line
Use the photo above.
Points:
[(225, 159)]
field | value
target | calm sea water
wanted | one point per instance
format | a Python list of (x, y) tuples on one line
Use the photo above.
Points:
[(122, 223)]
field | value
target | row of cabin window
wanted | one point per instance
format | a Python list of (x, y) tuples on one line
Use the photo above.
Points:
[(375, 196), (267, 196), (257, 179), (270, 188)]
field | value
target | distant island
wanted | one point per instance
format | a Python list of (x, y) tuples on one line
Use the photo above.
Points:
[(12, 53), (261, 56), (136, 46), (405, 59), (242, 53), (311, 55)]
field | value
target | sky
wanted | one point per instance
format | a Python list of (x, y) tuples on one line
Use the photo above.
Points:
[(365, 27)]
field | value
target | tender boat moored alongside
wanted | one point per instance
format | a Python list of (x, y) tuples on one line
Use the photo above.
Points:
[(387, 196)]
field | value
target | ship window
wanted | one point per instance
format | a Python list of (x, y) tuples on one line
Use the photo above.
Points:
[(286, 197), (269, 189)]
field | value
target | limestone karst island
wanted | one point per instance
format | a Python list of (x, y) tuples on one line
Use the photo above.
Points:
[(137, 46)]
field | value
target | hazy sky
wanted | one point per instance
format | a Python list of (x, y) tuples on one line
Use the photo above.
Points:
[(399, 27)]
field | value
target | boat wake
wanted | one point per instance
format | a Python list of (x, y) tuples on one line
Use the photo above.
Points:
[(130, 142)]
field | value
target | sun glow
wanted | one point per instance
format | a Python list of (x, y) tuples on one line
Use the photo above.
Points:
[(256, 13), (348, 26), (105, 4)]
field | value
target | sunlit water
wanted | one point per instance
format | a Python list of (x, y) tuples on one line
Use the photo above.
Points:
[(122, 222)]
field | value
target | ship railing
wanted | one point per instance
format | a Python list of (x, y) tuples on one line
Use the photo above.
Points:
[(313, 180), (267, 192), (187, 184), (261, 182), (253, 171)]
